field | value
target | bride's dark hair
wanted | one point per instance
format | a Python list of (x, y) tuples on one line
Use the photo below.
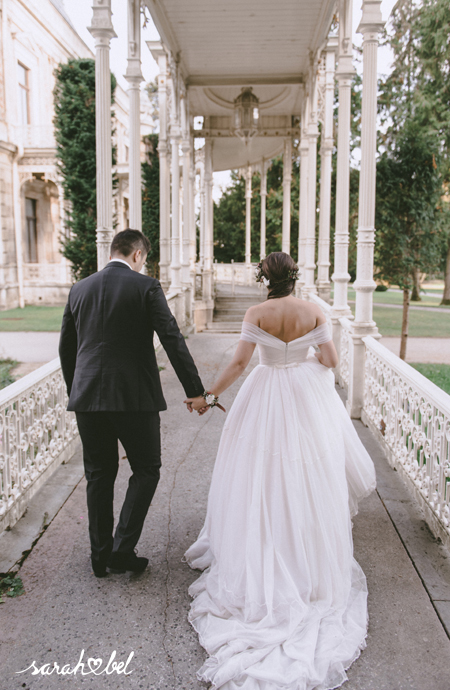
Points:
[(281, 270)]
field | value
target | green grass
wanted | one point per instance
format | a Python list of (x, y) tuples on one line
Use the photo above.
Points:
[(11, 587), (428, 300), (31, 319), (6, 366), (437, 373), (421, 323)]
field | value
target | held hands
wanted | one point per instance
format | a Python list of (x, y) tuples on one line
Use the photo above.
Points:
[(202, 403), (198, 404)]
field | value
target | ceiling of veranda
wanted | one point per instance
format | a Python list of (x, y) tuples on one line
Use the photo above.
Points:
[(223, 45)]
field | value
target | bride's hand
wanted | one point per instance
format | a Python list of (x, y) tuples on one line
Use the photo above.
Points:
[(197, 404)]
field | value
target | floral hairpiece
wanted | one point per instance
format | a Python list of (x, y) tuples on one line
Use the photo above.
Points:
[(259, 275), (261, 278)]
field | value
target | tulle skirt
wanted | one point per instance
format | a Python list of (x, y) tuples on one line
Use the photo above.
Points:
[(282, 604)]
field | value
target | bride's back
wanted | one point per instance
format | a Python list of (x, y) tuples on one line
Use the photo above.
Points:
[(287, 318)]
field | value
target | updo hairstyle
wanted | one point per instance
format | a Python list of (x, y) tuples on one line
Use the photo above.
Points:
[(281, 271)]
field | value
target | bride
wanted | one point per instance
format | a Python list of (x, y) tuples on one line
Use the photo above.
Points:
[(281, 604)]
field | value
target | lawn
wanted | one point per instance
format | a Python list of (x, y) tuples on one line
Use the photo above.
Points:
[(31, 319), (6, 366), (421, 323), (396, 297), (437, 373)]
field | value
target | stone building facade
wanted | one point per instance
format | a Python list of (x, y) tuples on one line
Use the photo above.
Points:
[(36, 36)]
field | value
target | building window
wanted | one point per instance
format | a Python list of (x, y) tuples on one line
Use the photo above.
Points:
[(24, 95), (31, 221)]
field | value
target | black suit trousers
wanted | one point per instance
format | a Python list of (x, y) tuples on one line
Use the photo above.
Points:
[(139, 433)]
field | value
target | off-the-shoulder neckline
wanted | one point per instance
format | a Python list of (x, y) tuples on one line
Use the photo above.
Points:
[(248, 323)]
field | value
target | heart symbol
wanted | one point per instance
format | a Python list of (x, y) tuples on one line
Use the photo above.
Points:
[(94, 664)]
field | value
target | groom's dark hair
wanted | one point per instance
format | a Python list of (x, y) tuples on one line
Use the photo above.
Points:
[(128, 241)]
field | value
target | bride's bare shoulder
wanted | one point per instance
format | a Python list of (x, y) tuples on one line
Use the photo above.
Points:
[(253, 314)]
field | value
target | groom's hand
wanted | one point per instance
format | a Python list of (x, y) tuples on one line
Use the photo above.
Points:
[(197, 404)]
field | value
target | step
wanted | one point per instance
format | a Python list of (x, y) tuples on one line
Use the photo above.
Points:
[(224, 327)]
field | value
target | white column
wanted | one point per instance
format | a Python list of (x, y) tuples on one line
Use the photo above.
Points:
[(175, 264), (201, 166), (344, 75), (310, 235), (303, 197), (160, 55), (287, 178), (17, 197), (248, 223), (134, 77), (186, 151), (326, 150), (102, 31), (208, 226), (192, 223), (370, 26), (263, 193)]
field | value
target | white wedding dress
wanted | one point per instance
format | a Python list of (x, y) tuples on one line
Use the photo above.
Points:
[(282, 604)]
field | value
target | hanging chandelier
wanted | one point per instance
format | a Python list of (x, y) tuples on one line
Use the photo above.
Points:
[(246, 114)]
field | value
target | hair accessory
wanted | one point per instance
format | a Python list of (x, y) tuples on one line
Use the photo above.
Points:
[(293, 274), (266, 281), (259, 273)]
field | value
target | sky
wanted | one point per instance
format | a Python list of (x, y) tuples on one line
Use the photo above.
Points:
[(80, 13)]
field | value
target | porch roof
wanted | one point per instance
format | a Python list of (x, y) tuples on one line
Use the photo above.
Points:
[(223, 45)]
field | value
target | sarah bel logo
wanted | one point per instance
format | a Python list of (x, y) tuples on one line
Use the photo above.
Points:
[(90, 666)]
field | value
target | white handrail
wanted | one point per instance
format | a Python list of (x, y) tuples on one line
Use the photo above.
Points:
[(410, 415)]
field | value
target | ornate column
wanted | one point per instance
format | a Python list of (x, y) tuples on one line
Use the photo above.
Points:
[(344, 75), (192, 223), (370, 26), (326, 149), (310, 239), (102, 31), (208, 226), (287, 178), (263, 194), (175, 137), (160, 55), (186, 234), (248, 223), (134, 77), (303, 197)]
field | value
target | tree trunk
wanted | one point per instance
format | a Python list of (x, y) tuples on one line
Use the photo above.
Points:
[(446, 295), (415, 295), (405, 323)]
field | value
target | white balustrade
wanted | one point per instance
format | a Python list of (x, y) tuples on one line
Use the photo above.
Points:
[(410, 416), (344, 352), (234, 273), (37, 434), (326, 308)]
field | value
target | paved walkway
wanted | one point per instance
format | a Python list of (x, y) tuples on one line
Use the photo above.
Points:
[(424, 350), (66, 609), (30, 346)]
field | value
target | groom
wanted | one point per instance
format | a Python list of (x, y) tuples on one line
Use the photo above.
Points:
[(109, 366)]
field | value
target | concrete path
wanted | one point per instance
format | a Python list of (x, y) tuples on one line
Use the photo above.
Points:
[(424, 350), (66, 609), (30, 346)]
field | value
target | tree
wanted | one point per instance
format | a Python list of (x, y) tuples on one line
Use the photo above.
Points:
[(150, 202), (229, 215), (408, 212), (74, 121), (433, 52)]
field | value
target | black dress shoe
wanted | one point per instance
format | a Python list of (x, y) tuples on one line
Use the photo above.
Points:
[(121, 562), (99, 567)]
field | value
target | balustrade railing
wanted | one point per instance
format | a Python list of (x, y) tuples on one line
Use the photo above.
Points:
[(36, 435), (411, 417)]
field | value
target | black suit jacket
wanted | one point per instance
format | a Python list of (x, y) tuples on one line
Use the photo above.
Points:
[(106, 346)]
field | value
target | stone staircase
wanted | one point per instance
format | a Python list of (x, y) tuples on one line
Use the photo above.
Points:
[(229, 310)]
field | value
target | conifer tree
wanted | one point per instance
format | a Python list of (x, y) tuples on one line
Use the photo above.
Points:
[(74, 122)]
